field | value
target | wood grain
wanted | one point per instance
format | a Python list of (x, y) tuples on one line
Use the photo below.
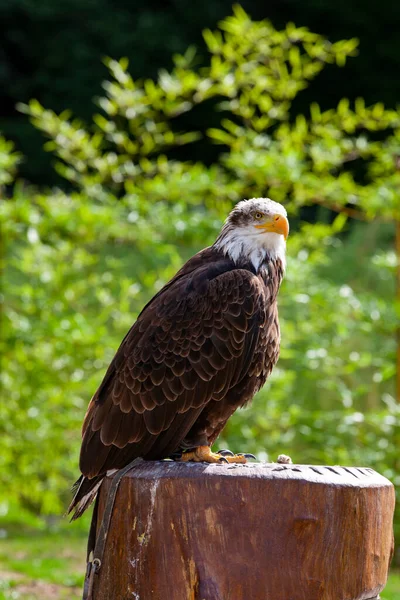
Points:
[(183, 531)]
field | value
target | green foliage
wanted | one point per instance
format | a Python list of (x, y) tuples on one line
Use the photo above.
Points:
[(150, 36), (79, 266), (255, 72), (42, 565), (9, 160)]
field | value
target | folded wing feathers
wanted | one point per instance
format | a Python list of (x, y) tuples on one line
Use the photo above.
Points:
[(182, 354)]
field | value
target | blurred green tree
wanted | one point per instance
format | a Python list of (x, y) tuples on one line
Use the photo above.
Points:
[(80, 265), (33, 61), (9, 160)]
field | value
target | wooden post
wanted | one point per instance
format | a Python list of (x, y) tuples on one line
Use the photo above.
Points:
[(185, 531)]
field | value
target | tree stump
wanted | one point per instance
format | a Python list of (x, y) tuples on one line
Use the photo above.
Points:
[(191, 531)]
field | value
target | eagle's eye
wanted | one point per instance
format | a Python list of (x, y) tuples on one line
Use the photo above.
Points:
[(258, 215)]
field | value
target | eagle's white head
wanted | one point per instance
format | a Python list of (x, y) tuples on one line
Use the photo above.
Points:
[(254, 229)]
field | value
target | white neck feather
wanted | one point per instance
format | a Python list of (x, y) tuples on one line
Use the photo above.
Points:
[(244, 243)]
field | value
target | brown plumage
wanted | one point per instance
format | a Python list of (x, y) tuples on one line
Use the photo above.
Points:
[(200, 349)]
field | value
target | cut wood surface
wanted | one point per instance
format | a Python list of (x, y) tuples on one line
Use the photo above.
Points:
[(186, 531)]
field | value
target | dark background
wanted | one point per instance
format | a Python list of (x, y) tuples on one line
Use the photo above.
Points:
[(53, 51)]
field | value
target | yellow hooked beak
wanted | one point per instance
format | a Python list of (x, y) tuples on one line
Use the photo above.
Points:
[(275, 224)]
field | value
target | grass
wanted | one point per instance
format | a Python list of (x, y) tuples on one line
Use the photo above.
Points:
[(43, 565), (392, 589), (40, 566)]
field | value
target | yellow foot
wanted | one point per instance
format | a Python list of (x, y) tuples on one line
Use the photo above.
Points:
[(204, 454)]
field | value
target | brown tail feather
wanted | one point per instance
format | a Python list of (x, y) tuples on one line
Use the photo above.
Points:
[(85, 491)]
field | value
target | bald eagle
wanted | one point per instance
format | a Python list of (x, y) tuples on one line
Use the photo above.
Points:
[(200, 349)]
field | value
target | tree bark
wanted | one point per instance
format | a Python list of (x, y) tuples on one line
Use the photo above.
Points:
[(186, 531)]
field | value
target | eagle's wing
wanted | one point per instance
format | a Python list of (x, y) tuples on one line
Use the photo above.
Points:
[(190, 344)]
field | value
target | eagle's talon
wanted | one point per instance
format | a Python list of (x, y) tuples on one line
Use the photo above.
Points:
[(204, 454), (225, 453), (248, 455)]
